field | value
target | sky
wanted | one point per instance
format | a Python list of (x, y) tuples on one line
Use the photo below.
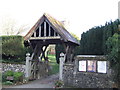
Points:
[(80, 15)]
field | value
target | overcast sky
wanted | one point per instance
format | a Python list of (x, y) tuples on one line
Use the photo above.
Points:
[(81, 15)]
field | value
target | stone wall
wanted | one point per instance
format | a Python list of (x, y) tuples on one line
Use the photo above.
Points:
[(13, 67), (68, 74), (74, 78), (91, 80), (42, 69)]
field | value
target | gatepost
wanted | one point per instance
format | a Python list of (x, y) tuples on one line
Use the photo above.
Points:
[(28, 66), (62, 60)]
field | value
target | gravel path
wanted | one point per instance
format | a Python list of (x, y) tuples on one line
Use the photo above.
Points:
[(47, 82)]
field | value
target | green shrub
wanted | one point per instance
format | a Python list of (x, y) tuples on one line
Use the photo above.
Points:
[(13, 48), (9, 73), (7, 83), (58, 83), (113, 49), (18, 76)]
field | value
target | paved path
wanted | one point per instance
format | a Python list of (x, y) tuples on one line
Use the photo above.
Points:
[(47, 82)]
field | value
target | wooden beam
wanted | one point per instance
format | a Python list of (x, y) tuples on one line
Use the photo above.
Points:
[(57, 37), (54, 33), (64, 45), (34, 52), (43, 52), (49, 31), (39, 31), (67, 49), (72, 52), (38, 52), (30, 45), (35, 34), (44, 29)]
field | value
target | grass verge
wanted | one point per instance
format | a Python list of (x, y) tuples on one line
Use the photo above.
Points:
[(53, 64)]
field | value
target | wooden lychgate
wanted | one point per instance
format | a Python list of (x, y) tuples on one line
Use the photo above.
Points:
[(48, 31)]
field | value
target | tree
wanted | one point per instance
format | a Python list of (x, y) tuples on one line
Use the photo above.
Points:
[(113, 49), (10, 27), (93, 42), (22, 29)]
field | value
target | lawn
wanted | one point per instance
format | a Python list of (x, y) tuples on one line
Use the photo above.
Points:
[(53, 64)]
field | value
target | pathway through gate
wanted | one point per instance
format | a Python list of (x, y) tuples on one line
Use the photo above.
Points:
[(48, 82)]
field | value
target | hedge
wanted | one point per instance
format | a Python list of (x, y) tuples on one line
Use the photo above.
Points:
[(13, 48)]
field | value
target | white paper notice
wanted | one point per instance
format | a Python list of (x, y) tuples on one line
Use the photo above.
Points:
[(102, 66), (82, 65)]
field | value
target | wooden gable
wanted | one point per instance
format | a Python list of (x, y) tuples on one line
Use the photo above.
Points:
[(45, 31), (49, 28)]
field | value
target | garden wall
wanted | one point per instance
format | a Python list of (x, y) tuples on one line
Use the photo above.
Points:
[(42, 69), (13, 67), (73, 77)]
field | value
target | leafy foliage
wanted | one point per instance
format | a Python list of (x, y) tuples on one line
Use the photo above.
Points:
[(94, 41), (6, 74), (9, 73), (59, 83), (113, 49), (8, 83), (13, 48), (17, 76)]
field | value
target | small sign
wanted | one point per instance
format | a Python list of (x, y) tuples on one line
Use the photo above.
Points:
[(82, 65), (91, 66), (9, 77), (102, 66)]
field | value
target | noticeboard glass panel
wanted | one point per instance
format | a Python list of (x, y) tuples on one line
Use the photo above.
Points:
[(91, 67), (101, 66), (82, 65)]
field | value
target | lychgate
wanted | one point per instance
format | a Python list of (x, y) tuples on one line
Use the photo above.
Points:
[(46, 31)]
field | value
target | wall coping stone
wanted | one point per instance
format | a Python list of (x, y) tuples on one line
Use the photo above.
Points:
[(89, 57)]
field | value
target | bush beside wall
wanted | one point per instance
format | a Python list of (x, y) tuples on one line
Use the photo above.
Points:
[(13, 48)]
